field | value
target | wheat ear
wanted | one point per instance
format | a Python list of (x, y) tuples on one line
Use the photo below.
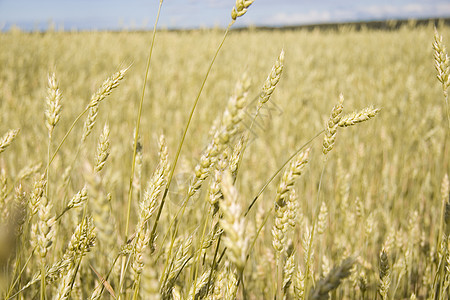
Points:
[(289, 176), (240, 9), (442, 61), (36, 194), (103, 149), (358, 117), (198, 291), (385, 275), (442, 64), (7, 139), (299, 285), (53, 111), (233, 223), (272, 80), (222, 136), (78, 199), (332, 281), (332, 126), (178, 263), (288, 273), (81, 242), (147, 207), (104, 91)]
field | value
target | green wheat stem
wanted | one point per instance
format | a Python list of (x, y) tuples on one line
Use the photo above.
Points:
[(447, 108), (214, 263), (279, 170), (183, 206), (246, 142), (19, 275), (197, 260), (42, 294), (138, 121), (180, 145), (47, 171), (311, 239), (136, 134), (60, 143), (174, 235), (109, 272), (136, 288), (66, 135)]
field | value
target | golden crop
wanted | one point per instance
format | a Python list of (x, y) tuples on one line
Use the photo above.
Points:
[(359, 211)]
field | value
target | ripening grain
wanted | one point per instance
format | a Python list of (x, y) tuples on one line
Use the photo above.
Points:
[(376, 228)]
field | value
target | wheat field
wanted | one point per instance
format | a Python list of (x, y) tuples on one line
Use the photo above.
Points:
[(315, 164)]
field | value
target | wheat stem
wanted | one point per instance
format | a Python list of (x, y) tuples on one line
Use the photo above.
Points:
[(136, 134), (180, 145), (269, 181)]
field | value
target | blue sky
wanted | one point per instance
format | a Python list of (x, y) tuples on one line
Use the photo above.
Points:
[(117, 14)]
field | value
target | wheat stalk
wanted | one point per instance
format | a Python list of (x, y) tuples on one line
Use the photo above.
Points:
[(36, 194), (19, 210), (4, 194)]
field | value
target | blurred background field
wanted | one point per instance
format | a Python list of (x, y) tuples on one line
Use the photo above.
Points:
[(393, 70), (383, 178)]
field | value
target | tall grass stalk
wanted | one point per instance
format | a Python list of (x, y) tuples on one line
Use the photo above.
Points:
[(275, 174), (180, 145), (136, 134), (239, 10)]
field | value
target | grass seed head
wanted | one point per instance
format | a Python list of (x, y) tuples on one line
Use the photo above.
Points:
[(272, 80), (442, 61), (240, 9), (332, 125), (53, 111), (7, 139), (233, 223), (333, 280), (103, 149), (358, 117), (289, 176)]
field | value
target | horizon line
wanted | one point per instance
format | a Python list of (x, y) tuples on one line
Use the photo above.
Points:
[(52, 26)]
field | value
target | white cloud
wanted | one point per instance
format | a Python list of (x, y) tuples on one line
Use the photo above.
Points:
[(407, 10), (416, 10)]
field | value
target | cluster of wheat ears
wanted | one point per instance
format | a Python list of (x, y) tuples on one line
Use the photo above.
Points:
[(72, 229)]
